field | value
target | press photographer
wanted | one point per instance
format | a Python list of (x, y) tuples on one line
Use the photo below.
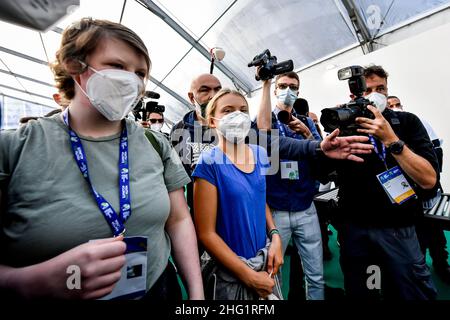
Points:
[(290, 191), (379, 199), (150, 113), (267, 67), (343, 117), (156, 121)]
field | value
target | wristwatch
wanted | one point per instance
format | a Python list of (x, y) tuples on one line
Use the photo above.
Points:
[(396, 147)]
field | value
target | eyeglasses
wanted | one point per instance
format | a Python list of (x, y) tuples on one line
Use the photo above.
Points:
[(283, 86), (156, 120), (396, 105)]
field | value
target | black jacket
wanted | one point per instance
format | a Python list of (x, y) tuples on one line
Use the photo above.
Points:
[(362, 199)]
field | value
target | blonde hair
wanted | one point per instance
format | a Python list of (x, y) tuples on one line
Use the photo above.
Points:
[(212, 104), (81, 39)]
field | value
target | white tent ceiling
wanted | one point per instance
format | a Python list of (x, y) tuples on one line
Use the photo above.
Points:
[(179, 35)]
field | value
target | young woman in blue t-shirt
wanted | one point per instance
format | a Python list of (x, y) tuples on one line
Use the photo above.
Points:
[(231, 214)]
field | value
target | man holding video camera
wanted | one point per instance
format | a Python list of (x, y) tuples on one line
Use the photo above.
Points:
[(379, 199), (191, 135), (291, 190)]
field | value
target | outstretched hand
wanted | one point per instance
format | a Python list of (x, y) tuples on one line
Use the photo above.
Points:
[(336, 147)]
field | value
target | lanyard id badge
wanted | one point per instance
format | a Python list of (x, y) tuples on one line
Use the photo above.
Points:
[(289, 170), (115, 221), (133, 278), (396, 186)]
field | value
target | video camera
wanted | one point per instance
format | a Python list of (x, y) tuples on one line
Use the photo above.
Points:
[(343, 117), (269, 65), (142, 109)]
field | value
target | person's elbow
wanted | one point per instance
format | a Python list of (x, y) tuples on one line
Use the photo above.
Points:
[(205, 237), (429, 181)]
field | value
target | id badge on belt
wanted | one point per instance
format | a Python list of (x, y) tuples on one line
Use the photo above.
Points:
[(133, 279), (396, 186), (289, 170)]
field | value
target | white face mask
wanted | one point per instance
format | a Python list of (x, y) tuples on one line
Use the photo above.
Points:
[(379, 100), (113, 92), (156, 126), (234, 127)]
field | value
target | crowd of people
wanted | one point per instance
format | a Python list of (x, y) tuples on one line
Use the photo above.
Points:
[(218, 201)]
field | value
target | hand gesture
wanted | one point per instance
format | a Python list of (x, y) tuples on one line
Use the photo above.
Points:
[(336, 147), (378, 127)]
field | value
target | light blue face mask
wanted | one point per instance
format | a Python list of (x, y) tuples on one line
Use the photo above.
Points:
[(286, 97)]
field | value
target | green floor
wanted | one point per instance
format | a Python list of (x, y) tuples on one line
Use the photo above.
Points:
[(334, 277)]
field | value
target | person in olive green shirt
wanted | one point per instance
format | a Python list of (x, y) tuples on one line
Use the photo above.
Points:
[(50, 213)]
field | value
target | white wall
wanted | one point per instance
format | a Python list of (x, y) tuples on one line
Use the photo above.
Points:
[(419, 69)]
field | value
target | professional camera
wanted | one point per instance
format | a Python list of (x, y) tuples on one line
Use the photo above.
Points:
[(343, 117), (142, 108), (269, 66)]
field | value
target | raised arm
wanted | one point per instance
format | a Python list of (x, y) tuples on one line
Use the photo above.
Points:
[(264, 117)]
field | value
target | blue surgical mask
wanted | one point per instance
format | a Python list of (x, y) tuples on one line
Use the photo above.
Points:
[(286, 96)]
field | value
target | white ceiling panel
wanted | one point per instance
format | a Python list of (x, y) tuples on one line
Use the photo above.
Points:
[(305, 31)]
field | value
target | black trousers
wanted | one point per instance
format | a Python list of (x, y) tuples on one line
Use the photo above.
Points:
[(396, 252), (166, 288), (432, 237)]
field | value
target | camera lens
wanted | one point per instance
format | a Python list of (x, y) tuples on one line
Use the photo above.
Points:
[(264, 73), (329, 119)]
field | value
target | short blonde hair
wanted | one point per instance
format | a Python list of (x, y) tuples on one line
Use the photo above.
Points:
[(212, 104)]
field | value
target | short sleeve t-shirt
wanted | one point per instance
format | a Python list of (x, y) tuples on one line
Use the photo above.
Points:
[(50, 207), (241, 207)]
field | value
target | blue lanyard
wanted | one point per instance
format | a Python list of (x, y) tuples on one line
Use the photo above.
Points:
[(381, 155), (281, 128), (115, 221)]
